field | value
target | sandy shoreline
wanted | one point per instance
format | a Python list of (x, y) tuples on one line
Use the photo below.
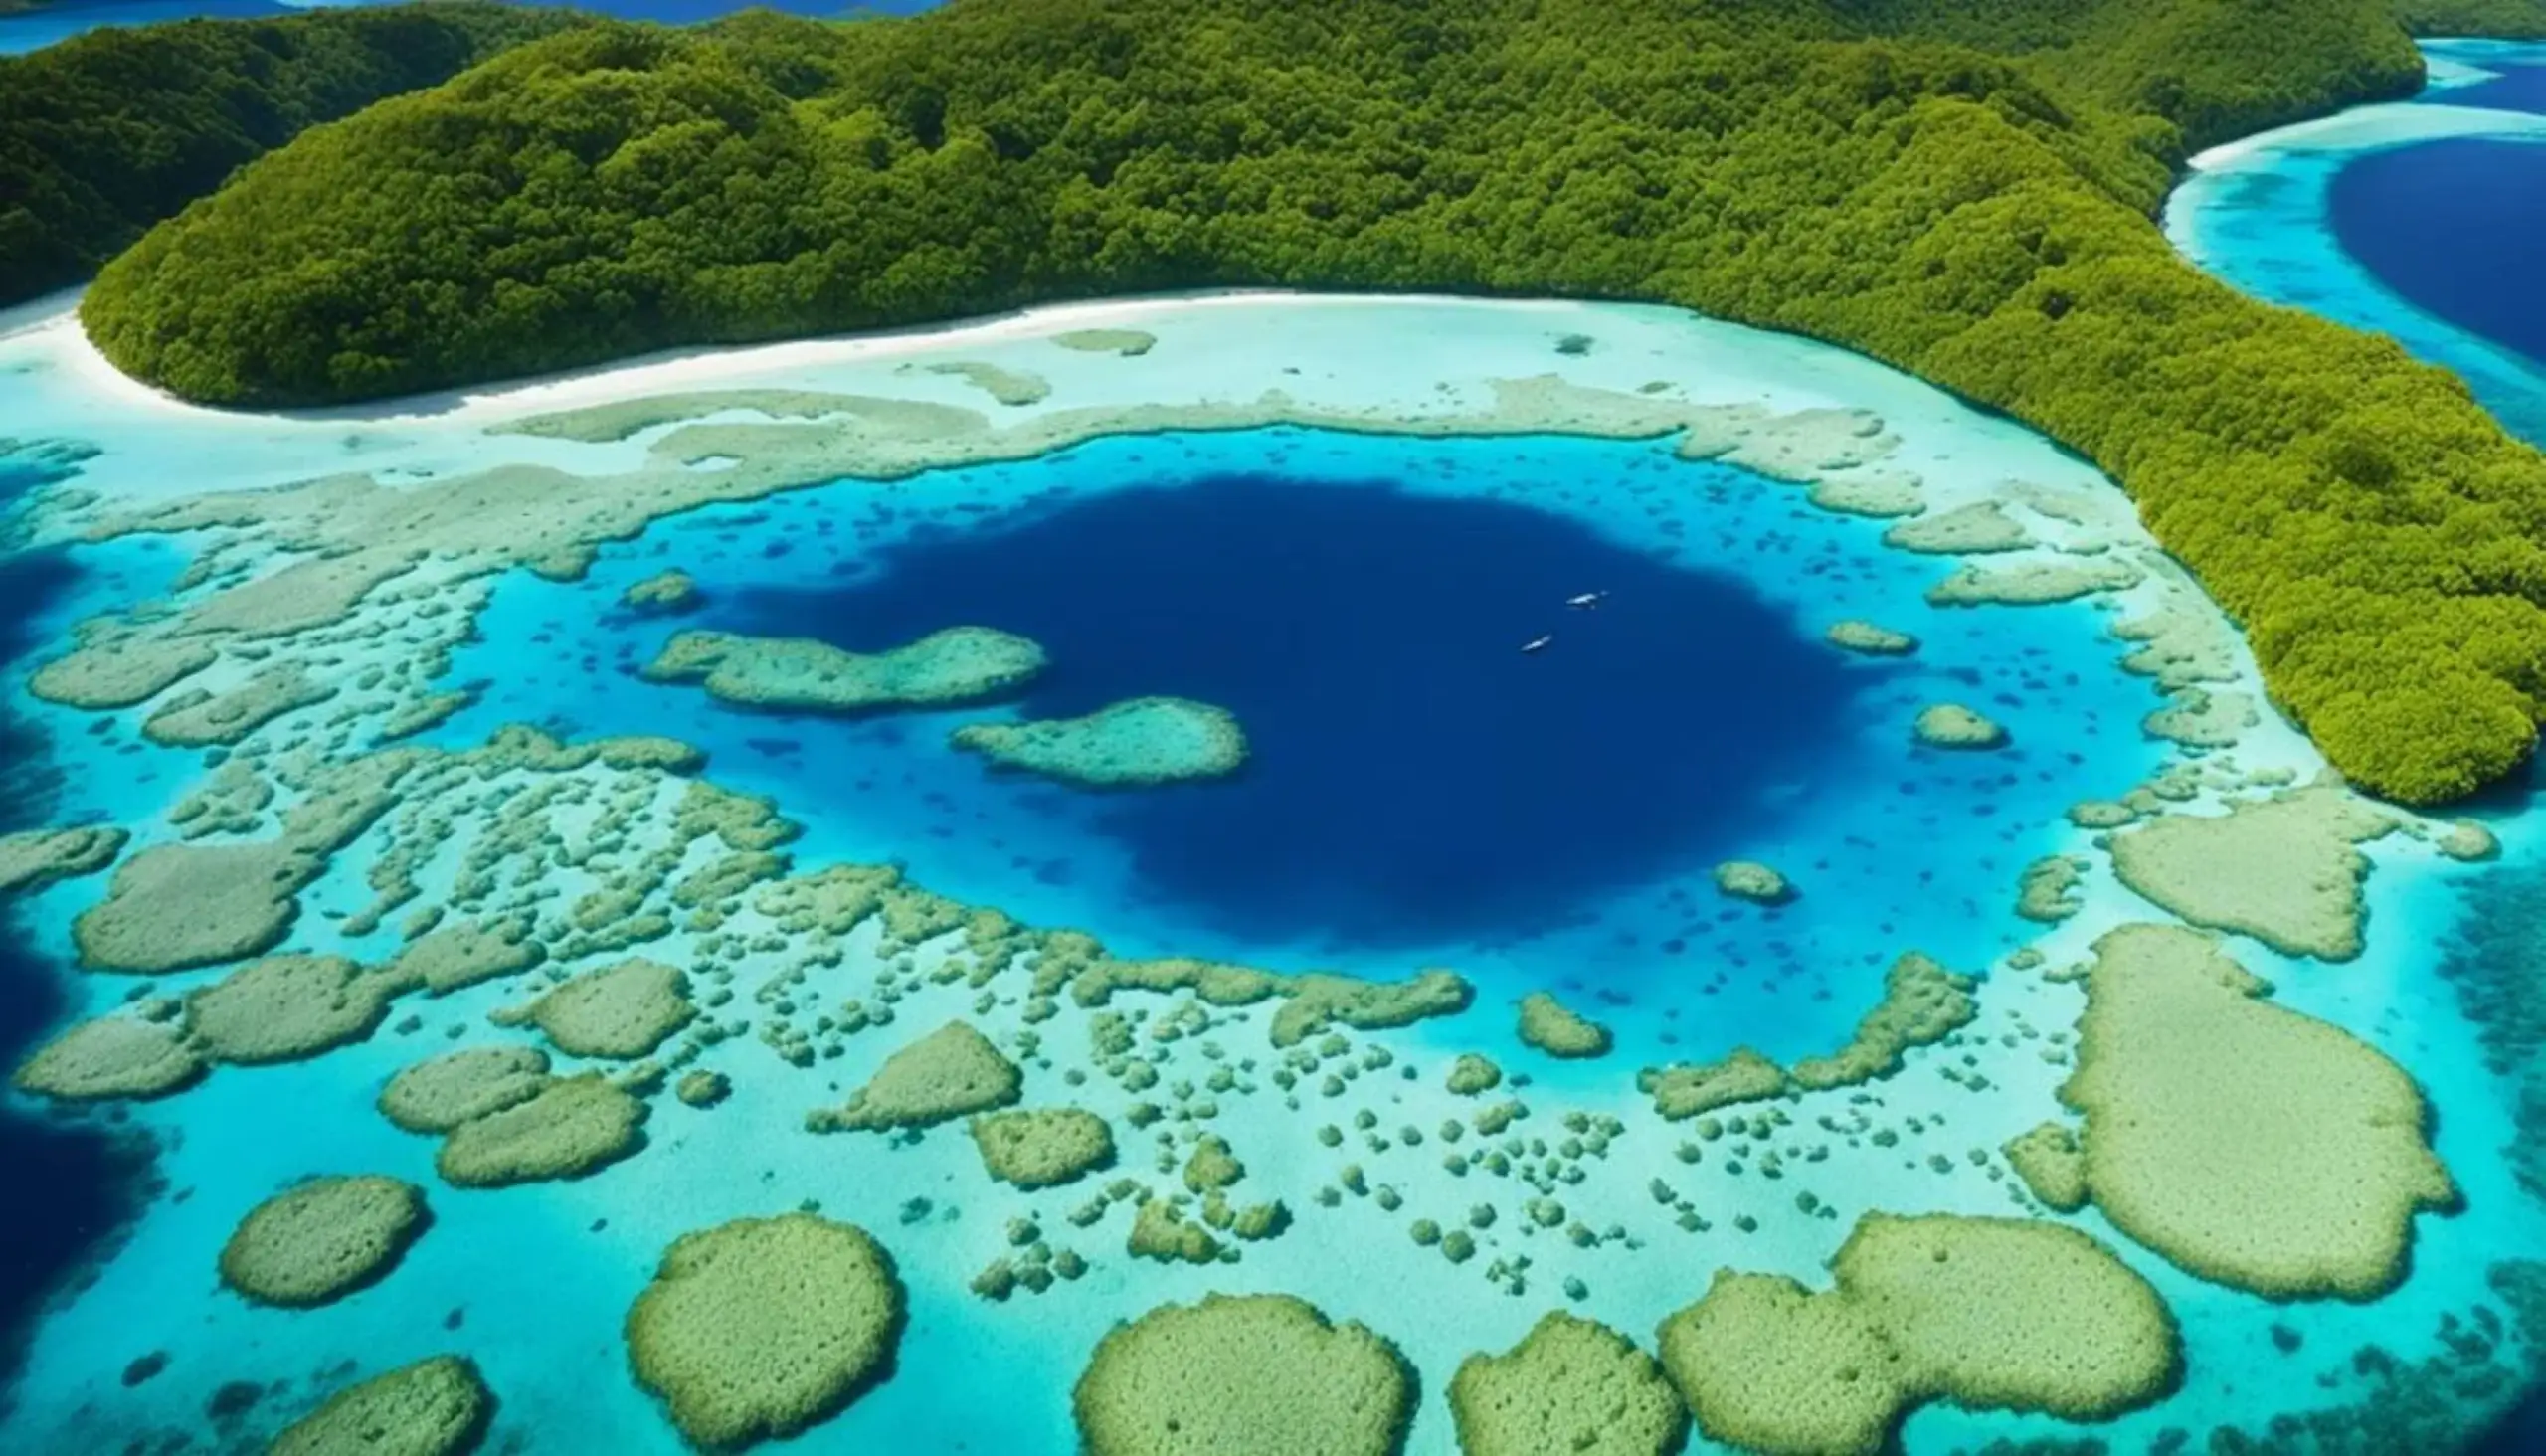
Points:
[(684, 370)]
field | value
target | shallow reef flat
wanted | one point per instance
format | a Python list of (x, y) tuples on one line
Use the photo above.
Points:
[(961, 665), (673, 1003), (1136, 744)]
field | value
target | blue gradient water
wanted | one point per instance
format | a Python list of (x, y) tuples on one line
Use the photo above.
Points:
[(2453, 226), (2433, 240), (1422, 792)]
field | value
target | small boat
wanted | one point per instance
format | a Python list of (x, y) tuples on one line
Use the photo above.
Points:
[(1586, 601), (1537, 644)]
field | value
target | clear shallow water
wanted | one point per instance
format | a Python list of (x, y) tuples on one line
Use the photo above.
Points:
[(2418, 220), (1706, 661)]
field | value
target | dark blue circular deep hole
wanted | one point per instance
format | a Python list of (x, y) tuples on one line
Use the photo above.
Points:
[(1416, 774), (2452, 227)]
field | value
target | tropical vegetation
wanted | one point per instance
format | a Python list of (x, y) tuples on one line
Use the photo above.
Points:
[(1964, 188), (107, 132)]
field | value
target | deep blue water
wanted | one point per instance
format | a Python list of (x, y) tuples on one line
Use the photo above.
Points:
[(58, 21), (2518, 88), (1415, 777), (2452, 228), (70, 1187)]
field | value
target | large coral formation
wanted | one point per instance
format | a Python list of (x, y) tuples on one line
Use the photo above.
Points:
[(172, 907), (621, 1011), (1041, 1148), (323, 1239), (1136, 744), (946, 1074), (571, 1126), (2052, 1165), (284, 1007), (1253, 1375), (665, 591), (1870, 639), (464, 953), (960, 664), (1748, 879), (434, 1407), (1951, 725), (112, 1057), (1922, 1003), (1569, 1386), (458, 1087), (1549, 1026), (2283, 870), (2248, 1144), (757, 1328), (1686, 1090), (1989, 1314), (200, 719), (34, 859)]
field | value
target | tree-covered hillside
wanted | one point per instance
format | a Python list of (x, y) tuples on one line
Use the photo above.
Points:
[(106, 133), (1861, 170)]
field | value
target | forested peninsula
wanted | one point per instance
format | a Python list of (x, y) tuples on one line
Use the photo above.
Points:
[(107, 132), (1962, 187)]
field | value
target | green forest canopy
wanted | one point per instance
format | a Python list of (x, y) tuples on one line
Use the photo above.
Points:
[(1962, 187), (107, 132)]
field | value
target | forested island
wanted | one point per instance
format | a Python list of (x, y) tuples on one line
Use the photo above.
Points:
[(107, 132), (1964, 190)]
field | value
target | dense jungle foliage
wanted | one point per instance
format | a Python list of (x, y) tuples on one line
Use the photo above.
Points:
[(106, 134), (1862, 171)]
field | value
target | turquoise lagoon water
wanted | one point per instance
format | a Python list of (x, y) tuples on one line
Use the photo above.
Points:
[(1424, 793), (2415, 220)]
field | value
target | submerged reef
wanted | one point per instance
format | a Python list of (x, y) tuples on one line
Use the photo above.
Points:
[(1922, 1003), (2284, 869), (961, 665), (2248, 1144), (618, 1011), (36, 859), (1569, 1386), (1987, 1313), (458, 1087), (1041, 1148), (434, 1407), (952, 1071), (664, 591), (757, 1329), (1951, 725), (200, 719), (1871, 639), (1549, 1026), (113, 1056), (319, 1242), (1014, 388), (466, 952), (2053, 1166), (568, 1128), (1745, 879), (1128, 342), (173, 907), (286, 1007), (1253, 1375), (1136, 744)]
